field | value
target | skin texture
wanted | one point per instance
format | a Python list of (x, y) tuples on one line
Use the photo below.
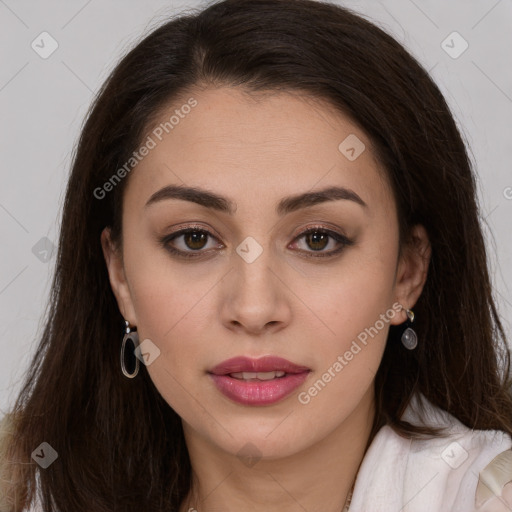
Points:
[(256, 149)]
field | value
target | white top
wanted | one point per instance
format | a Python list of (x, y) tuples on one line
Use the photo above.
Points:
[(434, 475)]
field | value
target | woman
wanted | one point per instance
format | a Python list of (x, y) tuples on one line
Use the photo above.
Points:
[(272, 289)]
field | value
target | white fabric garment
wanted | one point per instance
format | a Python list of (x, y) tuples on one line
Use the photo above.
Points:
[(435, 475)]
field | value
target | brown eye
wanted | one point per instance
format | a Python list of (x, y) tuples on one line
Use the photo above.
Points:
[(188, 243), (192, 242), (195, 239), (317, 240)]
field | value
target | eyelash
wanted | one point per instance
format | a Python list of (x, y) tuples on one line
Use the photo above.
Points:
[(338, 237)]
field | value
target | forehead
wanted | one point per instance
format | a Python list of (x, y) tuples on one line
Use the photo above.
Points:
[(256, 146)]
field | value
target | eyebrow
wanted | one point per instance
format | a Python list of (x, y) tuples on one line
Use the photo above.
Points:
[(222, 204)]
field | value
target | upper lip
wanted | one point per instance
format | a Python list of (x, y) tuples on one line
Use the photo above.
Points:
[(263, 364)]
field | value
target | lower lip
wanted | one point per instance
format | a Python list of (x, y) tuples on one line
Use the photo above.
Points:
[(256, 392)]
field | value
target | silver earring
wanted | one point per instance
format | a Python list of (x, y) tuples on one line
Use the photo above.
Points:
[(409, 337), (133, 338)]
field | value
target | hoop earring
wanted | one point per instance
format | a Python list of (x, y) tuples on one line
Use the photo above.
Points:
[(409, 337), (132, 337)]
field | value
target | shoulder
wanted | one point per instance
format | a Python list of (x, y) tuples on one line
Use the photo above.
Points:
[(461, 462), (494, 488), (442, 473)]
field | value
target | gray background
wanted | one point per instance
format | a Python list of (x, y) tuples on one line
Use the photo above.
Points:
[(43, 103)]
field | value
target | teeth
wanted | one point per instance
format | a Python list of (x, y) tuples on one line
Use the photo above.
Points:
[(257, 375)]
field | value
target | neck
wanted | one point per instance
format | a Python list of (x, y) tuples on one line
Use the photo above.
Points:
[(318, 478)]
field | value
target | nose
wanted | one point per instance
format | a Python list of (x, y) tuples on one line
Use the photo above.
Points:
[(256, 297)]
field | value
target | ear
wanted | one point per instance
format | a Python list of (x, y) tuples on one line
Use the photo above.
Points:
[(117, 277), (412, 271)]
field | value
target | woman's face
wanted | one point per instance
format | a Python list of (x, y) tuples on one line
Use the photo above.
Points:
[(247, 282)]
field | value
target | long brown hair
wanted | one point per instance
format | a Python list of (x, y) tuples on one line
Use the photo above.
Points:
[(120, 445)]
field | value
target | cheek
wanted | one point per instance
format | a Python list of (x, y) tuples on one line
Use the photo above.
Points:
[(353, 310), (174, 314), (165, 293), (172, 310), (172, 304), (352, 296)]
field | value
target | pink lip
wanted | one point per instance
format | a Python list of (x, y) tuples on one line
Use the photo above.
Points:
[(258, 392), (263, 364)]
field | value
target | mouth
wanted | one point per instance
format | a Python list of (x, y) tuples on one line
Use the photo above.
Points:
[(259, 376), (262, 381), (264, 368)]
